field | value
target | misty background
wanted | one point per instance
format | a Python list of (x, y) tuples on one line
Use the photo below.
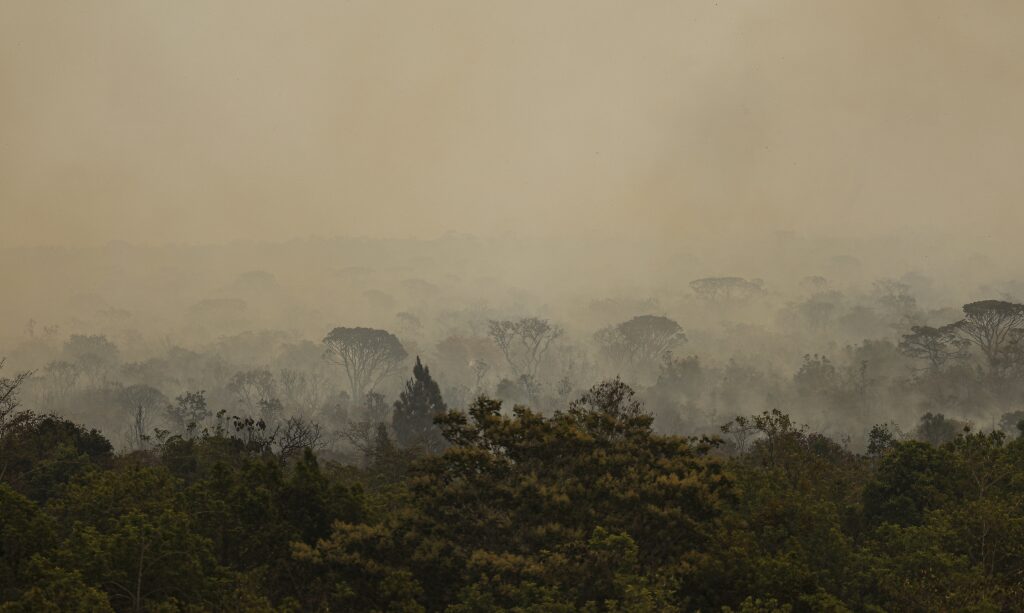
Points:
[(233, 180)]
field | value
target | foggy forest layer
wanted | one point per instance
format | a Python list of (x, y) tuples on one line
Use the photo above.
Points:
[(534, 307), (803, 325), (471, 424)]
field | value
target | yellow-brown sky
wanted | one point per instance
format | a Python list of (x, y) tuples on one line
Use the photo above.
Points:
[(205, 121)]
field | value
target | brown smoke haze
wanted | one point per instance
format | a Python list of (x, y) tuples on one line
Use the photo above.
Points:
[(203, 122), (198, 190)]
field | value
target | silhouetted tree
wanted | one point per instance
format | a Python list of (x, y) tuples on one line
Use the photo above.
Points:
[(642, 340), (897, 303), (989, 324), (524, 342), (936, 346), (141, 401), (936, 428), (304, 391), (189, 411), (367, 355), (9, 388), (252, 387), (415, 410), (94, 354)]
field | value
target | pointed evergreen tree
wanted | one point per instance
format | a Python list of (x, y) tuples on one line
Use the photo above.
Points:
[(415, 409)]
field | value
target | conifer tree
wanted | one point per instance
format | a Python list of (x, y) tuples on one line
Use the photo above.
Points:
[(415, 409)]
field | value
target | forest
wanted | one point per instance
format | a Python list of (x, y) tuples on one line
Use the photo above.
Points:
[(723, 445), (454, 306)]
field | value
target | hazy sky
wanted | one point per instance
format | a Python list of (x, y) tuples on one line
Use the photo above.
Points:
[(200, 121)]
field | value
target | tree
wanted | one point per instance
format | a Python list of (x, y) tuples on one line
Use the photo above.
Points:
[(415, 410), (141, 401), (913, 478), (367, 355), (936, 346), (130, 532), (94, 354), (252, 387), (817, 377), (524, 342), (24, 532), (523, 509), (305, 391), (466, 359), (989, 324), (936, 428), (9, 388), (297, 435), (39, 454), (897, 302), (642, 340), (52, 588), (189, 411), (60, 378)]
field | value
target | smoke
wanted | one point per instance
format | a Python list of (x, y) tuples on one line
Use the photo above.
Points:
[(183, 122)]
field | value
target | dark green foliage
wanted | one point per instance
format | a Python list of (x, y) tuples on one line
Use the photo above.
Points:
[(40, 454), (587, 509)]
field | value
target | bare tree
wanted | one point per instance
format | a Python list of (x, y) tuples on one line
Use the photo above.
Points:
[(361, 434), (897, 302), (524, 342), (306, 391), (366, 354), (295, 435), (990, 324), (142, 403), (9, 401), (96, 355), (60, 378)]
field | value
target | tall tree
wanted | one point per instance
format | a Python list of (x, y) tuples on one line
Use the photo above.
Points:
[(524, 342), (253, 387), (645, 339), (95, 355), (898, 304), (415, 410), (9, 401), (141, 402), (936, 346), (367, 355), (990, 325)]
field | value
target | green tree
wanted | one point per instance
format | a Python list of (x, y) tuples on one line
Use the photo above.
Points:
[(130, 533), (516, 497), (24, 532)]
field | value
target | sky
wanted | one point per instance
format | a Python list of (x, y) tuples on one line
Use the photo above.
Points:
[(194, 121)]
